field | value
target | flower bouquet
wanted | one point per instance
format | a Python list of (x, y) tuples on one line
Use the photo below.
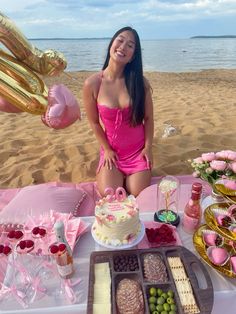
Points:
[(218, 169)]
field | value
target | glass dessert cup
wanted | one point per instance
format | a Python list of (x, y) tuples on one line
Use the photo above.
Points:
[(9, 286), (41, 238)]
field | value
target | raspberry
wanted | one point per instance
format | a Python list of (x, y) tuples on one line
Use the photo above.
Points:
[(11, 234), (35, 230), (29, 243), (62, 247), (18, 234), (6, 250), (54, 249), (22, 244), (42, 232)]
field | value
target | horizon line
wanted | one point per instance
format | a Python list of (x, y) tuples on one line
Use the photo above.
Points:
[(102, 38)]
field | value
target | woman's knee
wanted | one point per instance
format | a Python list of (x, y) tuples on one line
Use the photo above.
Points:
[(137, 182), (109, 178)]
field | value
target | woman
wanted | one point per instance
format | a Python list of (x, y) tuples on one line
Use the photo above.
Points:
[(119, 107)]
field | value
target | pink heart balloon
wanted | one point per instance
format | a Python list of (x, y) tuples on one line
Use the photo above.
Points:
[(63, 108), (5, 106)]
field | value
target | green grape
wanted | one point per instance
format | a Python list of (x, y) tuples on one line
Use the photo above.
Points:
[(166, 307), (152, 300), (170, 300), (164, 295), (160, 300), (153, 291), (173, 307), (159, 307), (159, 292), (152, 307), (170, 293)]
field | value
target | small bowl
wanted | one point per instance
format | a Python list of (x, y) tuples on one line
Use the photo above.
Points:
[(212, 238), (219, 256)]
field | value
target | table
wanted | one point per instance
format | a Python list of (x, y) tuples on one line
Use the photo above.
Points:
[(224, 288)]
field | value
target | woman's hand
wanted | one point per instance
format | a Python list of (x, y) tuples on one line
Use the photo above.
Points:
[(110, 159), (147, 154)]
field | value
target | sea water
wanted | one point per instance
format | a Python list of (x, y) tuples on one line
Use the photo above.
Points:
[(166, 55)]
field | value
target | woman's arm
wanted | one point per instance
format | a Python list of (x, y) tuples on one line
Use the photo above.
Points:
[(148, 124), (90, 102)]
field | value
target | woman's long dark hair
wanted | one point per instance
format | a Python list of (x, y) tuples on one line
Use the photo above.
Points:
[(133, 77)]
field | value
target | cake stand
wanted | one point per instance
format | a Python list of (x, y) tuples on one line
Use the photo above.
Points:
[(122, 246)]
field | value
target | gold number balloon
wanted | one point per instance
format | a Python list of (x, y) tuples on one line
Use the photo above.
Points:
[(20, 86), (49, 62), (21, 89)]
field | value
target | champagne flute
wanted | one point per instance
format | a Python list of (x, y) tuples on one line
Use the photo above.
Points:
[(41, 236)]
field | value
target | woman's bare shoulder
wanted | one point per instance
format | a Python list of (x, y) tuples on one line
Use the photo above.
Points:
[(93, 81)]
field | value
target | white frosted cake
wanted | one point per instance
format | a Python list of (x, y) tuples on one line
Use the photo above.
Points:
[(117, 221)]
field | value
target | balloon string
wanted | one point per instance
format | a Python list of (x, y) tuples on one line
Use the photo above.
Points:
[(70, 76)]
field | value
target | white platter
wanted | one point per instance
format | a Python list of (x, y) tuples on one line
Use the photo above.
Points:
[(123, 246)]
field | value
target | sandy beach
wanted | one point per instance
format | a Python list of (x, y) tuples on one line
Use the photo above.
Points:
[(201, 106)]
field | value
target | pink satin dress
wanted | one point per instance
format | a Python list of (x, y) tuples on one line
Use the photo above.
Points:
[(125, 140)]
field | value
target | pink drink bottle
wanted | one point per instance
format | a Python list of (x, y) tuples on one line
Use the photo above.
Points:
[(193, 211)]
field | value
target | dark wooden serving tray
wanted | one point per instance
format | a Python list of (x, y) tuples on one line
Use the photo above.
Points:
[(193, 266)]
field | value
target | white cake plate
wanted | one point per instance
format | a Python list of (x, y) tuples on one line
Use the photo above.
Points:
[(122, 246)]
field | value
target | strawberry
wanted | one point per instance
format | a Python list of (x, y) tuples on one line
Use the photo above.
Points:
[(6, 250), (35, 230), (1, 248), (54, 249), (42, 232), (29, 243), (61, 247), (22, 244), (11, 234), (18, 234)]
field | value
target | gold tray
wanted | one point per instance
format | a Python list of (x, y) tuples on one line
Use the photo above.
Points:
[(224, 190), (212, 222), (228, 194), (201, 249)]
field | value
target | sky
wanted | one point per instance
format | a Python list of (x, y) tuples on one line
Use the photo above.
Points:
[(153, 19)]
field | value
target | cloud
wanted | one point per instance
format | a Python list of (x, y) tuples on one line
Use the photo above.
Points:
[(101, 17)]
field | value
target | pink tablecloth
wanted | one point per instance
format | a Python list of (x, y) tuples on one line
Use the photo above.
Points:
[(145, 199)]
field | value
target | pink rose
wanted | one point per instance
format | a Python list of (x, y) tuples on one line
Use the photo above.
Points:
[(218, 165), (198, 160), (226, 154), (196, 174), (208, 156)]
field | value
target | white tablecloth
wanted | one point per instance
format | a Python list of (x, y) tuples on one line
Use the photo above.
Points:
[(224, 287)]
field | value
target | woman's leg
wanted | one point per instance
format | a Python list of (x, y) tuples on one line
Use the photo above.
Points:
[(138, 181), (109, 178)]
